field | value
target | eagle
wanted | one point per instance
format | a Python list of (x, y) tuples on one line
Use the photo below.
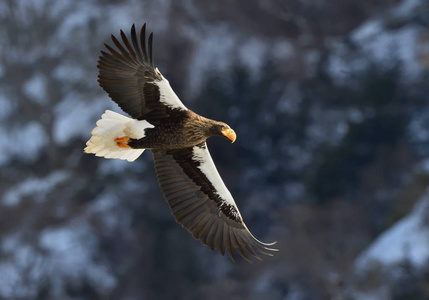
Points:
[(176, 136)]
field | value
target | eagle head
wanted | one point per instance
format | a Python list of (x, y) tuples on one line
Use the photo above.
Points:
[(222, 129)]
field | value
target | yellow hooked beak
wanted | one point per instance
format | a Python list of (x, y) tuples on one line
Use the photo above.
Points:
[(229, 133)]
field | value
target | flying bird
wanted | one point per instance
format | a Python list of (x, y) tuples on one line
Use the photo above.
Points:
[(176, 136)]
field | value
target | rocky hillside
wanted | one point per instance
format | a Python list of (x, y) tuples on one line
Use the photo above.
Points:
[(329, 102)]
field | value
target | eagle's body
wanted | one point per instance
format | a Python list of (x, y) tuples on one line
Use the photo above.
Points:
[(188, 178), (185, 129)]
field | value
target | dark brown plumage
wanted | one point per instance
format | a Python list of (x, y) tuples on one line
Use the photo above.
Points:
[(196, 194)]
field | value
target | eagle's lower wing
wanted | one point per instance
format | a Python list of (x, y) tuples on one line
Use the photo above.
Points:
[(202, 204), (131, 80)]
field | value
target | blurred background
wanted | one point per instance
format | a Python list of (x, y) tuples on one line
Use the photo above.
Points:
[(329, 99)]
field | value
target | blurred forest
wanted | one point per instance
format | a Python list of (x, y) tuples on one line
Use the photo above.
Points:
[(329, 99)]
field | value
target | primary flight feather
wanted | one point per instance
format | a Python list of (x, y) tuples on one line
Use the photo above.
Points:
[(176, 136)]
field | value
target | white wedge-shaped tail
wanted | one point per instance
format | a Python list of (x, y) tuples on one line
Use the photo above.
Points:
[(110, 127)]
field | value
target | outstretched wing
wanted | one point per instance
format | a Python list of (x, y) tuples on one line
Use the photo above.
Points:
[(202, 204), (129, 77)]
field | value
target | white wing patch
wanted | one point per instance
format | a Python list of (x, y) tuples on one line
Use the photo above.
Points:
[(111, 126), (167, 95), (207, 166)]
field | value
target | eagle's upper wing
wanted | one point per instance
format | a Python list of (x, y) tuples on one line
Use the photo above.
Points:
[(130, 79), (200, 201)]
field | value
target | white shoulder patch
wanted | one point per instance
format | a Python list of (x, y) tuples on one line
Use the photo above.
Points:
[(136, 129), (167, 95), (207, 166)]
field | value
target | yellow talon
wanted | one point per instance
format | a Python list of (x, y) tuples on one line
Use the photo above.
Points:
[(122, 142)]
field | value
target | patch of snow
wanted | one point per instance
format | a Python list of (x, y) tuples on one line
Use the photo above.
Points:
[(4, 8), (56, 8), (26, 13), (419, 126), (311, 58), (214, 51), (30, 140), (381, 293), (282, 50), (111, 166), (6, 107), (26, 142), (56, 257), (76, 117), (294, 190), (79, 17), (36, 7), (341, 66), (35, 89), (69, 72), (13, 285), (355, 115), (20, 268), (268, 284), (406, 7), (407, 239), (369, 29), (389, 47), (109, 212), (299, 157), (252, 54), (103, 203), (327, 127), (424, 165), (71, 252), (9, 279), (119, 18), (291, 99), (219, 48), (36, 188), (122, 16), (378, 44)]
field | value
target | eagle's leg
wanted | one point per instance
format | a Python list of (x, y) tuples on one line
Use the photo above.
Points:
[(122, 142)]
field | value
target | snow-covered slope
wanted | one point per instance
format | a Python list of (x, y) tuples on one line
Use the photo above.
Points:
[(395, 263), (407, 240), (389, 39)]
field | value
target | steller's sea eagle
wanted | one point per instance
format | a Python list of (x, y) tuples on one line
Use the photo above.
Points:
[(196, 194)]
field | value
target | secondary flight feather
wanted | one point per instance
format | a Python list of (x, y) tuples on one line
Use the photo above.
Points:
[(176, 136)]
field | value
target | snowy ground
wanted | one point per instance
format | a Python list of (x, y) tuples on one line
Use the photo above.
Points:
[(406, 240)]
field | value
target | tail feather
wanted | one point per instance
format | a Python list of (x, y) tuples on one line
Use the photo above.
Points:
[(111, 126)]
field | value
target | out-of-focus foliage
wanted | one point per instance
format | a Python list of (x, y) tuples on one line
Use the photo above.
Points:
[(385, 109), (329, 101)]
